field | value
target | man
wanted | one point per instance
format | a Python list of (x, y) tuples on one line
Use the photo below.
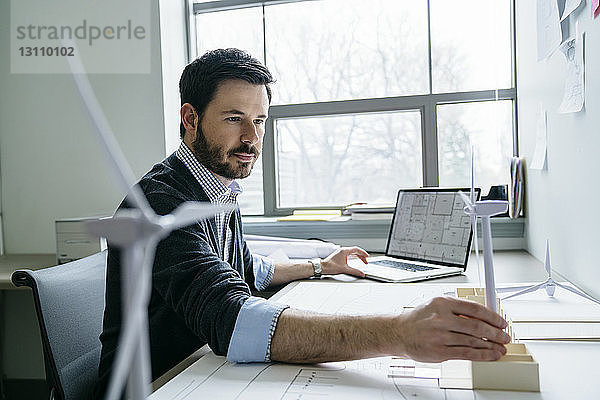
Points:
[(202, 273)]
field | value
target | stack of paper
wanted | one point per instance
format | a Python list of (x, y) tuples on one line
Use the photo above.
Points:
[(368, 211), (312, 215)]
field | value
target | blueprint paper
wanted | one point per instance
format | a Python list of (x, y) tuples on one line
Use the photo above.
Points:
[(549, 34), (360, 298), (574, 95), (556, 330), (212, 377), (538, 160), (570, 6)]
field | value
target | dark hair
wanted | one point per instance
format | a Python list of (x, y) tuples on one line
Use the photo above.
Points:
[(201, 78)]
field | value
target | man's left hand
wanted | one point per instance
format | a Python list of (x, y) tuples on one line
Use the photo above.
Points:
[(337, 262)]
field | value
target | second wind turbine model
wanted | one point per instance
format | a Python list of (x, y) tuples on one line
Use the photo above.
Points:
[(549, 284)]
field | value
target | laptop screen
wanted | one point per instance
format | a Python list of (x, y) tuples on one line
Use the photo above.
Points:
[(430, 225)]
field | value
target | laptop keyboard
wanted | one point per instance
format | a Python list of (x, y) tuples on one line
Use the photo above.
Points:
[(402, 265)]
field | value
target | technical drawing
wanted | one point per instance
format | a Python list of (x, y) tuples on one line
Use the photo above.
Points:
[(375, 378)]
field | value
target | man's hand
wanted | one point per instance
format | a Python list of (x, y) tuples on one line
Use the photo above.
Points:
[(448, 328), (337, 262)]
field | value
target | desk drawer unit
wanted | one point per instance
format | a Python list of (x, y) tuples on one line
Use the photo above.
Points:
[(74, 242)]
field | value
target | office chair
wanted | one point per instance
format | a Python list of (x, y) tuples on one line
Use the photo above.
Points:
[(69, 302)]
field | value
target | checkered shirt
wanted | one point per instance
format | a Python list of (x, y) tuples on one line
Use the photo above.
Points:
[(217, 193)]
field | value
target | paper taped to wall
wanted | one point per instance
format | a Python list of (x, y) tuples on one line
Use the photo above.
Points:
[(549, 34), (538, 160), (570, 6), (574, 95)]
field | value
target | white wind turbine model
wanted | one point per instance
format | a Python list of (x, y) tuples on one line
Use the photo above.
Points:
[(485, 210), (137, 231), (549, 284)]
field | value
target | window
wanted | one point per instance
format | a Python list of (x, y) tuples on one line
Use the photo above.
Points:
[(342, 50), (321, 160), (487, 126), (241, 28), (372, 96), (470, 45)]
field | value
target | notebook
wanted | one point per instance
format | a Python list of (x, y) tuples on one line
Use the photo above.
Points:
[(430, 237)]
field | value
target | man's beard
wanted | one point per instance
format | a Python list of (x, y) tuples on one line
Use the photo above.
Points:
[(212, 156)]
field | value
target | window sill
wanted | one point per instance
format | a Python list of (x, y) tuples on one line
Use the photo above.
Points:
[(508, 234)]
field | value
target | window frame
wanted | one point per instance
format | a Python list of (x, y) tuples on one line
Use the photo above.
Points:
[(425, 103)]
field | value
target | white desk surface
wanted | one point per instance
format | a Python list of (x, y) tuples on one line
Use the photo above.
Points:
[(568, 370)]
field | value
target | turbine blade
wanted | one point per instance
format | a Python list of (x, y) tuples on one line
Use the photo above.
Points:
[(121, 232), (511, 288), (467, 201), (118, 162), (577, 292), (191, 212), (472, 174), (526, 290), (547, 261)]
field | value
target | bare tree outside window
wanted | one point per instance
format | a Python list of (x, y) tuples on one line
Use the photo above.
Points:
[(328, 160), (350, 49), (338, 50), (486, 125)]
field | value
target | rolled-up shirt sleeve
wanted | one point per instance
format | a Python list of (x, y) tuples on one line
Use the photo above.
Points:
[(253, 331), (263, 271)]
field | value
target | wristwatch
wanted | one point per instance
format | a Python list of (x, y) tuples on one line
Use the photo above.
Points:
[(316, 263)]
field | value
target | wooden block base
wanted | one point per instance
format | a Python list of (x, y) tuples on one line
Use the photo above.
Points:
[(517, 370)]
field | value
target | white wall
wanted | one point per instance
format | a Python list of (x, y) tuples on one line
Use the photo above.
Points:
[(50, 163), (562, 200), (173, 37)]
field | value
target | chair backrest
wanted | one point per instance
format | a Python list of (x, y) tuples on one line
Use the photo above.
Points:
[(69, 301)]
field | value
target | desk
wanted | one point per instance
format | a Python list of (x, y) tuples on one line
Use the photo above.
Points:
[(8, 264), (567, 369)]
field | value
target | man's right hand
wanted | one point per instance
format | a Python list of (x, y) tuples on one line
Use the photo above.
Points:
[(447, 328)]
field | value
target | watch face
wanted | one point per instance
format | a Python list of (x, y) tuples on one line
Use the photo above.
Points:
[(316, 267)]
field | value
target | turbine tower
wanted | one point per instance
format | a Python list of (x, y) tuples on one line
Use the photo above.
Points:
[(485, 210)]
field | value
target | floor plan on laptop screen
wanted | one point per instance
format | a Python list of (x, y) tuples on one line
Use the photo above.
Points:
[(431, 225)]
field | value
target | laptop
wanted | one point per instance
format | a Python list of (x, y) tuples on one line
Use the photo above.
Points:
[(430, 237)]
